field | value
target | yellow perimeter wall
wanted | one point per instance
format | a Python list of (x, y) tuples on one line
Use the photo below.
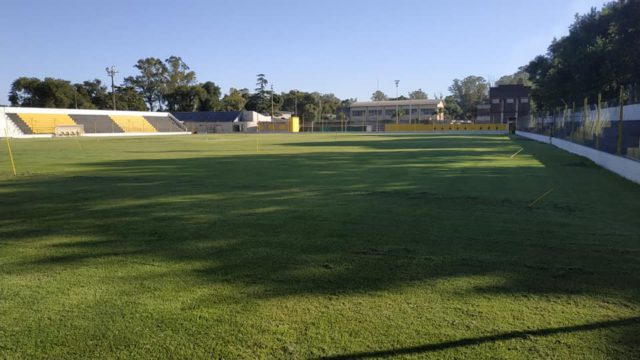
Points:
[(291, 125), (443, 127)]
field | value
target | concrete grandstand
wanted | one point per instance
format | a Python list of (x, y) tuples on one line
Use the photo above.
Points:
[(41, 122)]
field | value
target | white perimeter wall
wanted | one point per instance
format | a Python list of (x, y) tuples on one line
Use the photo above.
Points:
[(7, 127), (627, 168)]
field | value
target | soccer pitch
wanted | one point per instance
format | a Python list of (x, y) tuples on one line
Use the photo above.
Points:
[(315, 245)]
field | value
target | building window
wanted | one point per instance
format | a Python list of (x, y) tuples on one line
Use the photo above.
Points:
[(357, 113), (509, 101), (426, 111), (495, 101), (524, 100), (389, 112)]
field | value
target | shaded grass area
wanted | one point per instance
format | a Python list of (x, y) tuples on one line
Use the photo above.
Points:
[(311, 246)]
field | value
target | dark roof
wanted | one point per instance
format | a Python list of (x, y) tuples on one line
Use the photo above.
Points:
[(207, 116)]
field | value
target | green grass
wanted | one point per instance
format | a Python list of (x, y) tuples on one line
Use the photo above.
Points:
[(315, 246)]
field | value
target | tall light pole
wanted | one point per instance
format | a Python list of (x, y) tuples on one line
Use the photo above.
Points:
[(111, 71), (397, 106), (272, 100)]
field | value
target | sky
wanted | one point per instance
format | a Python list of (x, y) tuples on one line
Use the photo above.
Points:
[(348, 48)]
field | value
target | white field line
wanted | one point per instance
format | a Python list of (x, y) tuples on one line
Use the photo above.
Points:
[(516, 153)]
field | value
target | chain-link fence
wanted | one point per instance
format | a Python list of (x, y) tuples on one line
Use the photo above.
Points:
[(612, 125)]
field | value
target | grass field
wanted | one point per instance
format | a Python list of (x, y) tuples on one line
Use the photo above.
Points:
[(311, 246)]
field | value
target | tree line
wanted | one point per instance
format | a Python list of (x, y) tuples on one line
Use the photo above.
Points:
[(170, 85), (600, 55)]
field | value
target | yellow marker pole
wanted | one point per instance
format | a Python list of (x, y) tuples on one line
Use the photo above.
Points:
[(540, 198), (13, 164)]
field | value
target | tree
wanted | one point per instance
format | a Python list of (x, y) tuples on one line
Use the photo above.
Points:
[(25, 92), (234, 101), (451, 108), (212, 100), (600, 54), (127, 98), (468, 93), (178, 74), (186, 98), (379, 96), (151, 82), (48, 93), (291, 101), (95, 93), (520, 77), (260, 101), (418, 95)]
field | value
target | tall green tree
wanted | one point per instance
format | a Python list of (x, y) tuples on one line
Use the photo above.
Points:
[(468, 93), (127, 98), (25, 91), (186, 98), (47, 93), (212, 100), (520, 77), (151, 82), (178, 74), (600, 54), (260, 101), (233, 101), (452, 110), (96, 94)]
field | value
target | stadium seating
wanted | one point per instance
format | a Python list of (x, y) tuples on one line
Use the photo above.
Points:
[(44, 122), (132, 123), (95, 124), (163, 124)]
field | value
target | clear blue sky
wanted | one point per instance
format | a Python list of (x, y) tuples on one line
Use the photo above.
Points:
[(341, 47)]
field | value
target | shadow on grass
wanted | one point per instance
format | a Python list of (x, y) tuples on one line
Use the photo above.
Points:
[(329, 223), (337, 222), (421, 349)]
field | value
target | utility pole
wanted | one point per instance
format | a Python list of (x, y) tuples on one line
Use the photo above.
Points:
[(111, 71), (272, 100), (75, 96), (397, 106)]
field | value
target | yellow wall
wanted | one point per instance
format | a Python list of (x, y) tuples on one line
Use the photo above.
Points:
[(46, 123), (292, 125), (132, 123), (443, 127)]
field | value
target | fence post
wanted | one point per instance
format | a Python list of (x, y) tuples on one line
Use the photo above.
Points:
[(621, 118), (597, 124), (584, 120), (573, 122)]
